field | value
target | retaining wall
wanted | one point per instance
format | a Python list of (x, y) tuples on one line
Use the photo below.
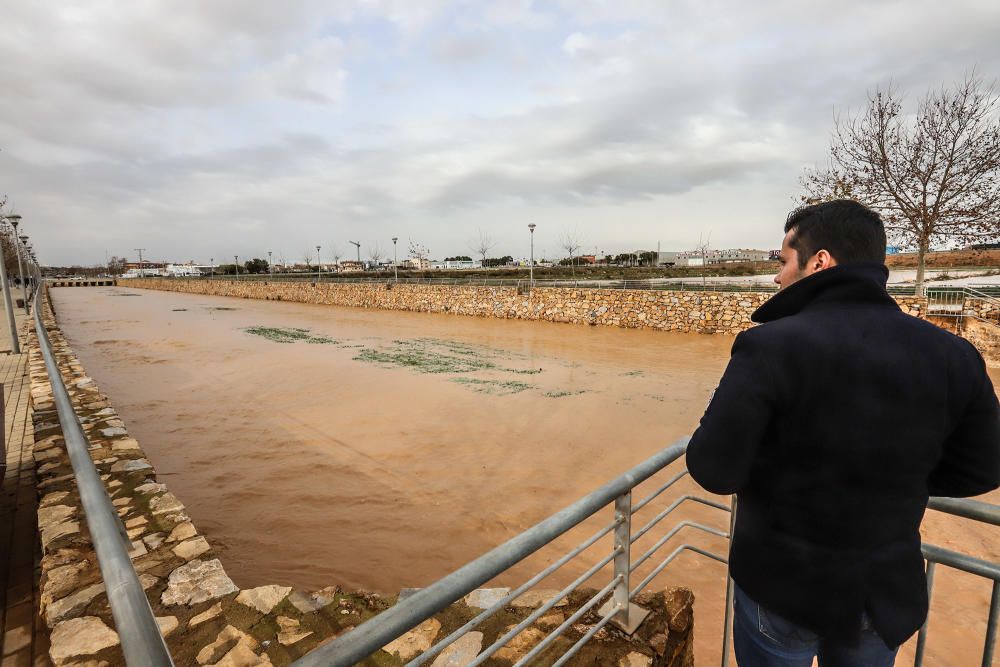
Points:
[(699, 312)]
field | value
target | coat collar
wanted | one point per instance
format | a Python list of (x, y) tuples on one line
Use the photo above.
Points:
[(862, 282)]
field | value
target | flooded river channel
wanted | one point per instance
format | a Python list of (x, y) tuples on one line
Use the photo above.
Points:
[(320, 445)]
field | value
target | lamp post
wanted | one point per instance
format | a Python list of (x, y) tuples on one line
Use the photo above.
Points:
[(14, 221), (270, 267), (395, 262), (531, 263), (15, 344), (22, 273), (211, 267), (236, 264), (319, 266)]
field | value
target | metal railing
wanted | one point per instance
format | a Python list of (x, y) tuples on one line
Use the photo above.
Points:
[(934, 555), (619, 591), (376, 633), (142, 644), (961, 303)]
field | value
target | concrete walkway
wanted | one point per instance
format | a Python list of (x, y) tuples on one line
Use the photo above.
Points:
[(24, 640)]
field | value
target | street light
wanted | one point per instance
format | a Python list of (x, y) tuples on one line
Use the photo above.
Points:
[(319, 266), (236, 260), (531, 264), (395, 263), (270, 267), (211, 267), (14, 221), (24, 280)]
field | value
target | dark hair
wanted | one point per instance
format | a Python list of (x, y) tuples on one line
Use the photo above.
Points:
[(849, 231)]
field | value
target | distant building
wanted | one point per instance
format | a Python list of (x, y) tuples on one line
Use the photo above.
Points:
[(417, 263), (587, 259), (144, 269), (350, 266), (736, 255), (892, 250), (457, 264), (183, 270)]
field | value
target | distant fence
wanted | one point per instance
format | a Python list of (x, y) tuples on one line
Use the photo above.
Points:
[(658, 284)]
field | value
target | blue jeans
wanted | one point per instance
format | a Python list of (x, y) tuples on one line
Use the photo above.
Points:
[(764, 639)]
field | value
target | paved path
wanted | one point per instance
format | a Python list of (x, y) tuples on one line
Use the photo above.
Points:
[(24, 640)]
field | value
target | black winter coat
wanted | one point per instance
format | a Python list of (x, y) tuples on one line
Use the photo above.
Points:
[(833, 423)]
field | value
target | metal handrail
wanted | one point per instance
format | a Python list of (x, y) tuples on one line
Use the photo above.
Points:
[(142, 643), (371, 636)]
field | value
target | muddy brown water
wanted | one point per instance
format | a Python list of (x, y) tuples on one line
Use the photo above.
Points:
[(382, 450)]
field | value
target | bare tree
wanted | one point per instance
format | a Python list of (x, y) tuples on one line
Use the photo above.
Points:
[(307, 258), (375, 254), (116, 265), (334, 255), (418, 251), (571, 243), (934, 176), (703, 247), (482, 245)]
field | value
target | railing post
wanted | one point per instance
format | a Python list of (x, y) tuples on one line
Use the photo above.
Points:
[(918, 657), (727, 627), (991, 626), (628, 616)]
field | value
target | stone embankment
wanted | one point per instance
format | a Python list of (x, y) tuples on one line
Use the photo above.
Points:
[(698, 312), (204, 616)]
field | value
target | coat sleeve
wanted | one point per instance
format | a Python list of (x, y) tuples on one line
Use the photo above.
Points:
[(970, 460), (722, 450)]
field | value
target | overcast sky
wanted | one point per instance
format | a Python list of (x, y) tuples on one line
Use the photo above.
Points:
[(223, 127)]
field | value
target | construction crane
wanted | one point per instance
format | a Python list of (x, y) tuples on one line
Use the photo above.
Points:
[(357, 245)]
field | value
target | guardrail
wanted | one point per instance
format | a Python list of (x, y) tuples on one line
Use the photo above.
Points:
[(387, 626), (142, 644), (371, 636), (961, 303)]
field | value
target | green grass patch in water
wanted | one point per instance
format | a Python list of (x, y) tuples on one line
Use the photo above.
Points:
[(281, 335), (494, 387), (411, 354), (561, 394)]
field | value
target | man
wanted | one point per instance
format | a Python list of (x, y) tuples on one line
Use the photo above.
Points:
[(833, 423)]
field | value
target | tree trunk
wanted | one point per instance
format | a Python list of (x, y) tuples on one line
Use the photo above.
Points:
[(921, 261)]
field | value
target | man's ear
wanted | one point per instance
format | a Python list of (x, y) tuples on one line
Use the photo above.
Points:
[(823, 260)]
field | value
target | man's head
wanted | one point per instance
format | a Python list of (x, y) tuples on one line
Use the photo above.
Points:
[(822, 236)]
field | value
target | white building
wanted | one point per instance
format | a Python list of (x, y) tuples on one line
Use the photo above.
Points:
[(183, 270), (457, 264)]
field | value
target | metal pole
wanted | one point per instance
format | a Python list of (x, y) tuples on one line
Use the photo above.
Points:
[(727, 628), (15, 343), (395, 260), (918, 658), (20, 275), (140, 636), (531, 262), (270, 267), (14, 220), (319, 266), (236, 259), (991, 626)]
